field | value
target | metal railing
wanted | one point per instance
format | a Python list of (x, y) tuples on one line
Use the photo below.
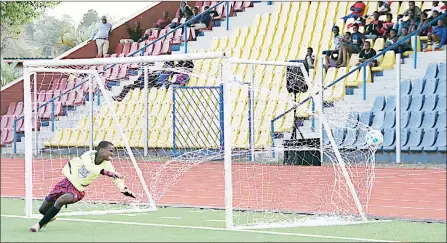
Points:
[(383, 52)]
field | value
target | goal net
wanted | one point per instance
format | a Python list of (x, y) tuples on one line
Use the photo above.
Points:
[(200, 130)]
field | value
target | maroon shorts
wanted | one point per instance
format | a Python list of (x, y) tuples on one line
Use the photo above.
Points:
[(64, 186)]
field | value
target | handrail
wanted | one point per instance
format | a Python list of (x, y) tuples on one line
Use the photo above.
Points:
[(364, 64)]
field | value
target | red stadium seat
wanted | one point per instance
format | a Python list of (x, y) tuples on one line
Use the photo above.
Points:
[(11, 108), (238, 6), (7, 137), (41, 97), (4, 122), (115, 72), (22, 128), (69, 100), (155, 34), (57, 110), (41, 110), (126, 48), (119, 48), (70, 85), (19, 110), (55, 84), (166, 48), (48, 95), (133, 47), (123, 71), (178, 36), (63, 84), (79, 99), (157, 48), (19, 125), (148, 50)]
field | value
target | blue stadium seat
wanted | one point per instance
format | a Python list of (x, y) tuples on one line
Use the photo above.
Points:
[(432, 71), (353, 119), (405, 87), (441, 120), (442, 70), (378, 120), (390, 120), (429, 119), (365, 118), (441, 87), (325, 138), (405, 102), (361, 139), (404, 118), (379, 103), (390, 103), (428, 139), (417, 87), (339, 135), (415, 119), (389, 140), (404, 133), (429, 102), (440, 143), (417, 101), (430, 86), (350, 138), (414, 139), (441, 104)]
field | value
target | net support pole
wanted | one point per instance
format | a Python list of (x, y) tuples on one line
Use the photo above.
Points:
[(28, 143), (251, 105), (341, 162), (90, 111), (227, 152), (146, 110), (398, 73), (320, 123), (126, 143), (35, 113)]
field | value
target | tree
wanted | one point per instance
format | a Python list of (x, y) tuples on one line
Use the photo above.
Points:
[(89, 18), (14, 15), (9, 72)]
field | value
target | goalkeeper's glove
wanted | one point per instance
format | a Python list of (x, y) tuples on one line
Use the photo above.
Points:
[(128, 193), (114, 175)]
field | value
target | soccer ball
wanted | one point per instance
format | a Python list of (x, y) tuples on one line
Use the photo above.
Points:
[(374, 138)]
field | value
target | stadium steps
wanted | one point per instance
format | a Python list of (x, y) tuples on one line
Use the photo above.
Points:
[(241, 19)]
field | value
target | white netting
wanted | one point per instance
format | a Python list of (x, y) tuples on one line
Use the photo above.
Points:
[(184, 160)]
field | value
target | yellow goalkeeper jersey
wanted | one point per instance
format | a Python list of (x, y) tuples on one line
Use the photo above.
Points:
[(82, 171)]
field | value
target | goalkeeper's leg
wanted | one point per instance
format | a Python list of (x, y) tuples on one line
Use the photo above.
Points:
[(65, 199)]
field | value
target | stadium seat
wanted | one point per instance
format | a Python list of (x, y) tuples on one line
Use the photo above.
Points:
[(405, 102), (417, 87), (7, 137), (390, 104), (379, 104), (417, 101), (353, 119), (442, 70), (415, 119), (430, 86), (441, 120), (442, 87), (441, 140), (405, 87), (432, 71), (365, 118), (429, 119), (404, 118), (388, 62), (11, 108), (350, 138), (389, 139), (428, 140), (429, 102), (441, 104), (404, 137), (378, 120), (389, 120), (361, 139), (414, 139)]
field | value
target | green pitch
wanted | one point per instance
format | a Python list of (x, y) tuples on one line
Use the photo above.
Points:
[(186, 224)]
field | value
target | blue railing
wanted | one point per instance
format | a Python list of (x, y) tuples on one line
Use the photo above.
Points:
[(184, 25), (272, 123)]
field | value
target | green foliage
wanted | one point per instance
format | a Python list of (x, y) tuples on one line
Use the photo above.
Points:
[(9, 72), (89, 18)]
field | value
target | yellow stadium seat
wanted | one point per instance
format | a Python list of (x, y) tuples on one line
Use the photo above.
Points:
[(263, 139), (57, 137), (388, 62), (137, 94), (223, 42), (163, 138), (353, 60), (124, 121), (98, 122), (242, 139), (339, 91), (372, 6), (107, 122), (215, 43), (394, 8), (379, 44), (83, 121), (136, 138), (351, 80), (129, 109), (403, 7), (72, 140), (360, 78), (133, 122), (83, 138), (138, 109), (153, 137), (128, 96)]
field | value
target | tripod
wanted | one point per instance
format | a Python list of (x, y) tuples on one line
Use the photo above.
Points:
[(295, 121)]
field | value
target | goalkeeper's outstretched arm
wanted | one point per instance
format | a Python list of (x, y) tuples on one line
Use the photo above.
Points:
[(119, 182)]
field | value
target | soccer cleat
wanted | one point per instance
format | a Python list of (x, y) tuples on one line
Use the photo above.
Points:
[(34, 228), (49, 222)]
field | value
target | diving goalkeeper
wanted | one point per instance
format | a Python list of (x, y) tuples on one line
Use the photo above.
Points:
[(79, 173)]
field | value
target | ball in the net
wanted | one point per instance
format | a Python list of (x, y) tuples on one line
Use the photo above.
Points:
[(374, 138)]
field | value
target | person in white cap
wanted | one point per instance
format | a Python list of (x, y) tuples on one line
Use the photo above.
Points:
[(101, 36)]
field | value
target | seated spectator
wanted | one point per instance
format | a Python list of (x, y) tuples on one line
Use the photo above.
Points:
[(310, 58), (183, 9), (357, 9), (403, 46), (331, 60), (367, 53), (435, 7), (342, 52), (438, 35), (374, 28), (384, 8), (352, 47), (165, 75), (392, 39), (444, 6), (387, 25), (411, 23), (203, 21), (135, 33), (163, 21), (337, 37), (434, 15), (424, 21), (412, 6)]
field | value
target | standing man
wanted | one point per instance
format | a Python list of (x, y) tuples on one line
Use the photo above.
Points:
[(101, 36)]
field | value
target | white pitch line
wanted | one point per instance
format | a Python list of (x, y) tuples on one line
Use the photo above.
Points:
[(167, 217), (130, 215), (216, 220), (208, 228)]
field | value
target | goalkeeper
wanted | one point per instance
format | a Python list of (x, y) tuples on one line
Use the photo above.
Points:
[(79, 173)]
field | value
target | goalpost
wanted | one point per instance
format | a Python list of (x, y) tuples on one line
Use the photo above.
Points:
[(178, 145)]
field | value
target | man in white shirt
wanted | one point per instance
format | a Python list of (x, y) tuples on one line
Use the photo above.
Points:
[(101, 36), (435, 7)]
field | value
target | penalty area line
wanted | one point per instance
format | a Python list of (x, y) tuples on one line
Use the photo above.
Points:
[(205, 228)]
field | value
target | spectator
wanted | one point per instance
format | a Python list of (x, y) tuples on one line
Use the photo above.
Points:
[(357, 9), (310, 58), (184, 8), (337, 37), (331, 60), (424, 21), (444, 6), (183, 78), (374, 28), (342, 52), (384, 8), (163, 21), (138, 84), (438, 35), (412, 6), (434, 15), (435, 7), (367, 53), (411, 23), (392, 39), (204, 20), (352, 47), (135, 33), (101, 36), (404, 45), (387, 25)]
